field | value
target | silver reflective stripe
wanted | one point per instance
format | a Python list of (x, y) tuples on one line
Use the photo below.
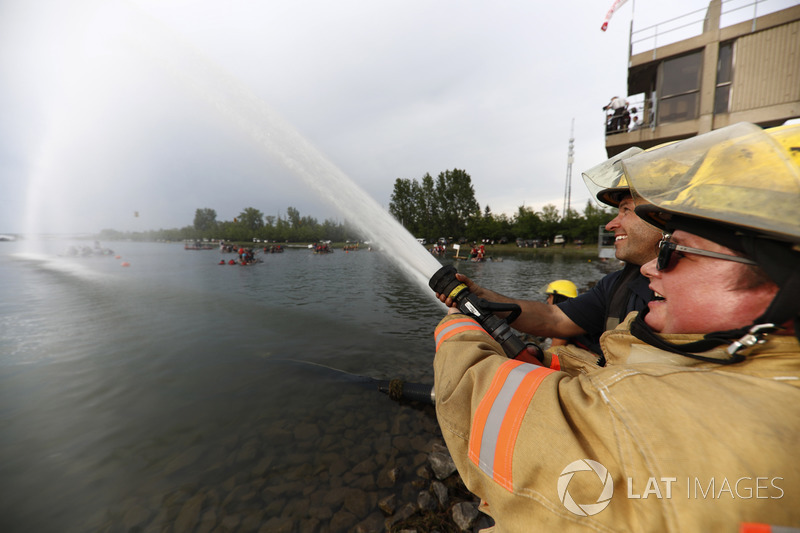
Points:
[(455, 325), (496, 415)]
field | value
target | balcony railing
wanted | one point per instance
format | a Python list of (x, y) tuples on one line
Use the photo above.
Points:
[(691, 24)]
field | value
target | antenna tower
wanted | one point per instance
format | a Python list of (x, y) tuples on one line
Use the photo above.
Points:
[(568, 186)]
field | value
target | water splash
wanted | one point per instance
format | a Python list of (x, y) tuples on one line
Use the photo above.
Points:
[(280, 140)]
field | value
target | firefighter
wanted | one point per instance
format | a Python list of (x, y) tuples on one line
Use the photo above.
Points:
[(693, 424)]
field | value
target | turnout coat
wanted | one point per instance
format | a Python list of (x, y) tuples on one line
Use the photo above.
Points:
[(653, 441)]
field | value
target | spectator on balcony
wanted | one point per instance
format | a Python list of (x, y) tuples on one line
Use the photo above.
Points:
[(636, 122), (618, 106)]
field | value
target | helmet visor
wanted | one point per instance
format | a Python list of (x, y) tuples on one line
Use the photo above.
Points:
[(606, 181), (740, 175)]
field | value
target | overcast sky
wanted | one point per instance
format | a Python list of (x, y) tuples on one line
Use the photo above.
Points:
[(108, 107)]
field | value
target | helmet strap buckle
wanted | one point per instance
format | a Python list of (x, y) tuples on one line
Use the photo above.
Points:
[(752, 337)]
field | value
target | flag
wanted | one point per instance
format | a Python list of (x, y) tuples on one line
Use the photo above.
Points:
[(616, 5)]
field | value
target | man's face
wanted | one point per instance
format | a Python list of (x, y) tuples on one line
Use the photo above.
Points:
[(703, 294), (635, 240)]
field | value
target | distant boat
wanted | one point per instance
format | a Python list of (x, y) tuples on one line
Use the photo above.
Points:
[(197, 245), (7, 238)]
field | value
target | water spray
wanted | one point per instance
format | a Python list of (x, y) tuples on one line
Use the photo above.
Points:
[(444, 281)]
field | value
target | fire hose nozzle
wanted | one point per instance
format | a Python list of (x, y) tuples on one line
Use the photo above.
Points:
[(444, 281)]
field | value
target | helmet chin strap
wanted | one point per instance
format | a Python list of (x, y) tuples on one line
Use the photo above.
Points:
[(643, 332)]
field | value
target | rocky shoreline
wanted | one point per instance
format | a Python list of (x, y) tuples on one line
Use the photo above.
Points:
[(345, 470), (443, 504)]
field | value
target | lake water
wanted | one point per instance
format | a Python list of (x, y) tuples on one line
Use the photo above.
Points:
[(177, 394)]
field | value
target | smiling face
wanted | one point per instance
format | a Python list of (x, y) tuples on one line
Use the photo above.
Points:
[(702, 294), (634, 239)]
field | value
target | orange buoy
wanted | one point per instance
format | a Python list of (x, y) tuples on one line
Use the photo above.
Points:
[(126, 264), (117, 257)]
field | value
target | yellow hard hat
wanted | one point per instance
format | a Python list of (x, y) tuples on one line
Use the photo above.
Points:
[(607, 181), (740, 176), (563, 287)]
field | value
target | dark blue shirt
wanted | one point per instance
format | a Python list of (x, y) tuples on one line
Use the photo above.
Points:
[(591, 309)]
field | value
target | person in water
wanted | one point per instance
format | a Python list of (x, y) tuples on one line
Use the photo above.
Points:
[(693, 424), (616, 294)]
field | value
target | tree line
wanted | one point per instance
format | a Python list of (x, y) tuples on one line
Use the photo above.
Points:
[(446, 207), (250, 224), (429, 209)]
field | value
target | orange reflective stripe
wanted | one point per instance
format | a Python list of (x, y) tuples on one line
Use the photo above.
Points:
[(512, 421), (754, 528), (454, 327), (555, 364), (482, 412), (498, 418)]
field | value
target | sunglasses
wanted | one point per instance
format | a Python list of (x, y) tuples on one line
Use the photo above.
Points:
[(667, 259)]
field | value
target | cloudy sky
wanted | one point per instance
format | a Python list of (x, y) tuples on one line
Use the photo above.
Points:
[(159, 107)]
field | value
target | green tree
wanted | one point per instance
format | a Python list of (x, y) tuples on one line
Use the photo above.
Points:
[(205, 222), (403, 203), (252, 220), (293, 217), (427, 208), (594, 216), (455, 199), (551, 221), (527, 223)]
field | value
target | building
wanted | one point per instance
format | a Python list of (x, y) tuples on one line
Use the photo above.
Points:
[(744, 72)]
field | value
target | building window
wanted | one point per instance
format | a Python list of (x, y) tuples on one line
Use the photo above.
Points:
[(722, 93), (680, 88)]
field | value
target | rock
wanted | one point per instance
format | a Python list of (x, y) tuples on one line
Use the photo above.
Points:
[(343, 521), (388, 504), (251, 521), (420, 443), (440, 490), (305, 432), (310, 525), (438, 447), (356, 502), (338, 468), (189, 515), (297, 508), (372, 524), (262, 466), (207, 521), (277, 525), (183, 460), (230, 523), (405, 512), (275, 507), (135, 516), (464, 514), (425, 501), (441, 464), (365, 466), (401, 442), (247, 452), (423, 472), (239, 494), (388, 477), (231, 483)]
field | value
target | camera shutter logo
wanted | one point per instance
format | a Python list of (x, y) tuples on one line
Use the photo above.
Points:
[(586, 509)]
